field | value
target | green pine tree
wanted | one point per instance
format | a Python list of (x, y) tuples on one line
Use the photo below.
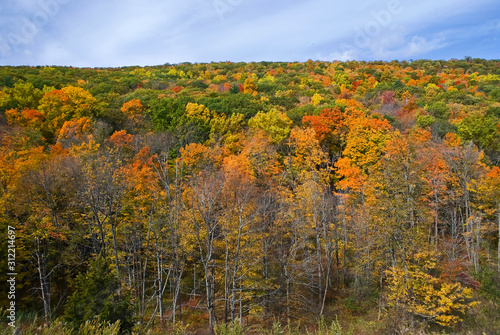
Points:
[(96, 293)]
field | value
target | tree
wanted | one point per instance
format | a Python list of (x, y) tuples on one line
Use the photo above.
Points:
[(250, 87), (488, 194), (465, 166), (202, 208), (59, 106), (134, 111), (330, 128), (96, 294), (241, 234), (415, 290), (276, 124)]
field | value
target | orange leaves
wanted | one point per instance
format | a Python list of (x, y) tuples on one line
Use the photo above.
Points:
[(227, 87), (58, 150), (56, 97), (134, 110), (26, 118), (75, 129), (262, 156), (452, 140), (237, 167), (488, 188), (351, 176), (494, 174), (327, 124), (194, 154), (307, 153), (142, 177), (121, 139), (177, 89)]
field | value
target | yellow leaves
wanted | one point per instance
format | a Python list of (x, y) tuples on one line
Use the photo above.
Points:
[(365, 141), (307, 151), (62, 105), (487, 189), (194, 110), (226, 130), (349, 103), (267, 79), (316, 99), (79, 97), (280, 94), (275, 123), (194, 153), (250, 87), (222, 128), (416, 291), (86, 147), (406, 96), (172, 72)]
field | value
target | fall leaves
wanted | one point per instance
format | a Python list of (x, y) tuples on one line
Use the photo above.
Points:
[(258, 191)]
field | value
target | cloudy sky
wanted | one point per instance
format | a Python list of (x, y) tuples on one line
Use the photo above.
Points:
[(101, 33)]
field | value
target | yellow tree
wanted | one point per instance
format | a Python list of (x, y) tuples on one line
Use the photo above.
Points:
[(241, 234), (249, 86), (464, 161), (313, 202), (365, 143), (397, 200), (202, 202), (487, 189), (63, 105), (415, 289), (275, 123)]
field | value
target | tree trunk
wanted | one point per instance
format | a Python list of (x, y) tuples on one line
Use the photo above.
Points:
[(42, 273)]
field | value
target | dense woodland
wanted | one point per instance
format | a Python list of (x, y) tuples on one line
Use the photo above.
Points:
[(254, 197)]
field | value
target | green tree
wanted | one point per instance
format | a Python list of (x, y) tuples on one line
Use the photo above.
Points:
[(96, 293)]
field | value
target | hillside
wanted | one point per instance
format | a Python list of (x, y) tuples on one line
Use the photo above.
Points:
[(266, 197)]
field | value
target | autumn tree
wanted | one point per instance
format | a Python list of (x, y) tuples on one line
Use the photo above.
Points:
[(275, 123)]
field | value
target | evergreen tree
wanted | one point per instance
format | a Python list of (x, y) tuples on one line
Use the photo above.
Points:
[(96, 293)]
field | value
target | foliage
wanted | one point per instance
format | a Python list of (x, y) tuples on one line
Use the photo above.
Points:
[(246, 193), (417, 291), (96, 293), (276, 124)]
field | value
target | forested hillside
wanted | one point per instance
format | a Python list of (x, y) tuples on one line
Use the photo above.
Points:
[(253, 197)]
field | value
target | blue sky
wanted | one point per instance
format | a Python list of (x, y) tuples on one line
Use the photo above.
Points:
[(101, 33)]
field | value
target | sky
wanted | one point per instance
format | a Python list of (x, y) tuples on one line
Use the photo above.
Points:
[(112, 33)]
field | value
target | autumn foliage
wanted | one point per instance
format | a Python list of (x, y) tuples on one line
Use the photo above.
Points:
[(201, 197)]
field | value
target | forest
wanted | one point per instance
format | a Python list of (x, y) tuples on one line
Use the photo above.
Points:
[(251, 198)]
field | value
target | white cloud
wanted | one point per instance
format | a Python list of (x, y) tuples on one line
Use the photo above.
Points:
[(419, 45)]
